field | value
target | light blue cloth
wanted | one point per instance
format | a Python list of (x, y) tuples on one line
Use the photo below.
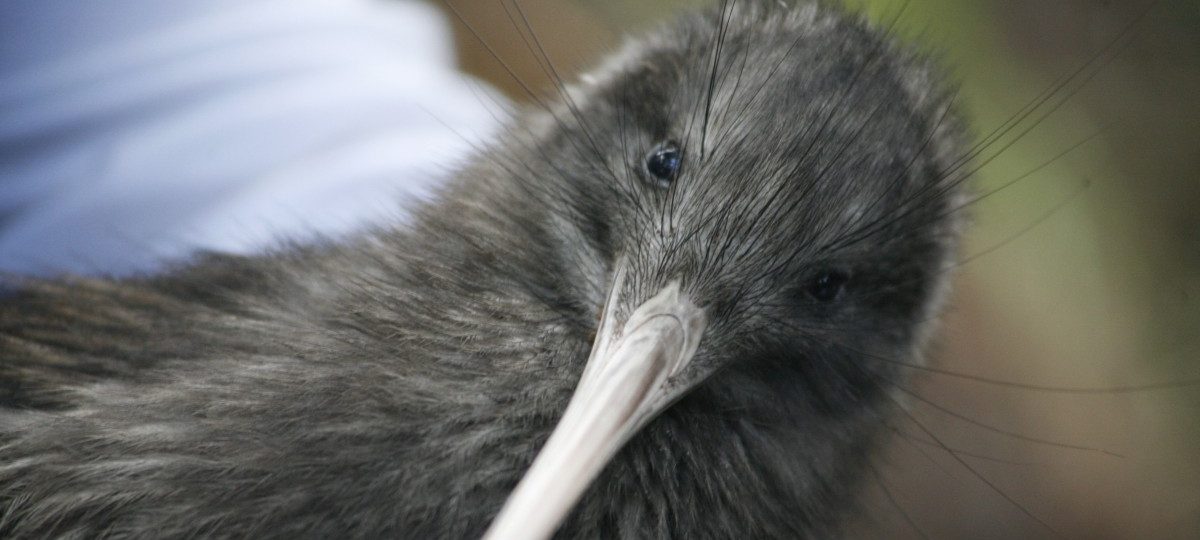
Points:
[(134, 132)]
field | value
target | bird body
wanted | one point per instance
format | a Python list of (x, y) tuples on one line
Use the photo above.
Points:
[(786, 167)]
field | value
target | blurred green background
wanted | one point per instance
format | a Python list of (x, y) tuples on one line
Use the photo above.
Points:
[(1084, 274)]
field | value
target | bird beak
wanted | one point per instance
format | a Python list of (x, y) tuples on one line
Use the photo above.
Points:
[(629, 379)]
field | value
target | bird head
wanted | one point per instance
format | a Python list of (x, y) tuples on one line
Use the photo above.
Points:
[(761, 192)]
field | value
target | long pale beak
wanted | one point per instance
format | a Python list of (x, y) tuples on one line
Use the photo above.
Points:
[(628, 380)]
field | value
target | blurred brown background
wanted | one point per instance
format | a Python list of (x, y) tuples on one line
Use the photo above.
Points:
[(1085, 274)]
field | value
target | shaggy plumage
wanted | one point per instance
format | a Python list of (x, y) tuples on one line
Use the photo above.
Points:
[(399, 384)]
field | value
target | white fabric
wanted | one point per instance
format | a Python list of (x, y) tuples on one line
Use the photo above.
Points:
[(136, 131)]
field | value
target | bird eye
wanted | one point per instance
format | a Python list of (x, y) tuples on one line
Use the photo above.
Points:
[(828, 285), (663, 164)]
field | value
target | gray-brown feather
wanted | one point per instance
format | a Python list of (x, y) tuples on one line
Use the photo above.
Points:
[(399, 384)]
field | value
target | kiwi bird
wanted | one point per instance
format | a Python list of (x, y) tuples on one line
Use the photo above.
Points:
[(672, 303)]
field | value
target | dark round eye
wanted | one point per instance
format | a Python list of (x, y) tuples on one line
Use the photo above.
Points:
[(828, 285), (663, 163)]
